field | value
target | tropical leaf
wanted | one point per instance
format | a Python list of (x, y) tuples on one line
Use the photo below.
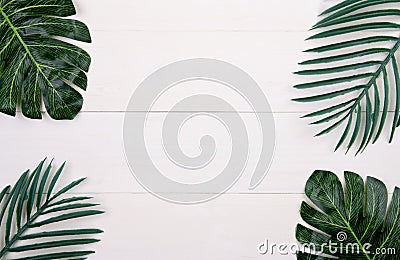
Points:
[(32, 203), (350, 223), (357, 69), (35, 64)]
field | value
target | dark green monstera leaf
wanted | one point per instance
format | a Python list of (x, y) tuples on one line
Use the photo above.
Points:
[(35, 64), (351, 222), (33, 203), (356, 68)]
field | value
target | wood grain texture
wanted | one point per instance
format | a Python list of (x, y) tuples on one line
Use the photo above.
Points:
[(93, 146), (208, 15), (132, 39)]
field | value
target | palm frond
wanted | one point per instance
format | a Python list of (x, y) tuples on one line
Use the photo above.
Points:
[(351, 221), (35, 65), (32, 203), (361, 72)]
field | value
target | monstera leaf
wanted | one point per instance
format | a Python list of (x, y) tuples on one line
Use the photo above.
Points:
[(356, 71), (35, 64), (32, 203), (354, 223)]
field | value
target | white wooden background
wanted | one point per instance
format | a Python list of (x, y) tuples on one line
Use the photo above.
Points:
[(133, 38)]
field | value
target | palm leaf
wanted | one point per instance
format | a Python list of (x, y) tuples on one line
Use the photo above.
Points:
[(346, 221), (30, 204), (357, 72), (35, 65)]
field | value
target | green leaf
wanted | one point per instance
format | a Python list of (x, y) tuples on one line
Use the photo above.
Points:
[(68, 187), (329, 109), (339, 68), (368, 123), (61, 255), (11, 207), (329, 95), (331, 117), (385, 104), (54, 180), (346, 56), (68, 200), (332, 127), (345, 133), (361, 16), (71, 232), (332, 81), (328, 198), (33, 188), (308, 256), (339, 63), (375, 115), (345, 218), (43, 184), (397, 106), (4, 192), (339, 6), (355, 28), (351, 7), (69, 207), (35, 64), (351, 43), (67, 216), (22, 198), (52, 244), (307, 236), (23, 207)]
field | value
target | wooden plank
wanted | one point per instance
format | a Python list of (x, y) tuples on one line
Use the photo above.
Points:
[(123, 60), (227, 228), (93, 146), (208, 15)]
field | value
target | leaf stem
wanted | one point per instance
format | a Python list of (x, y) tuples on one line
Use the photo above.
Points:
[(377, 73), (21, 231), (373, 79), (349, 228)]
